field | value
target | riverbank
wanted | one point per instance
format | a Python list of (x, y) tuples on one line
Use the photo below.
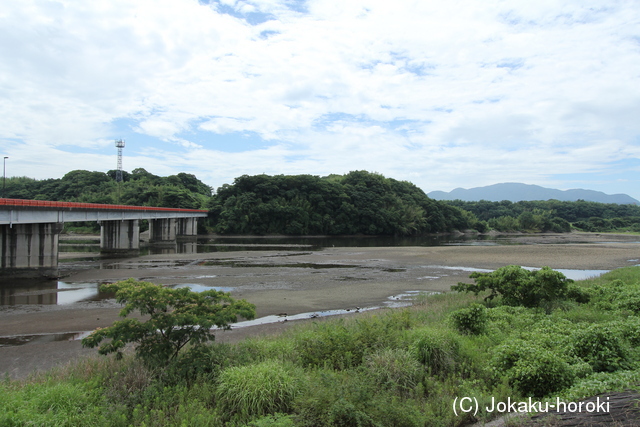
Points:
[(294, 281)]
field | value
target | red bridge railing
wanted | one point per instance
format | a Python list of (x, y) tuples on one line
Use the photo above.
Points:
[(74, 205)]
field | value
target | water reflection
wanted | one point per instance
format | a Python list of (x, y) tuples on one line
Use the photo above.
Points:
[(50, 292), (16, 340)]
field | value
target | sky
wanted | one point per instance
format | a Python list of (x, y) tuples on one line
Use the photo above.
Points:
[(441, 93)]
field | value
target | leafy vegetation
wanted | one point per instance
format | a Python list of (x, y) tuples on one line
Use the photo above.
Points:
[(518, 286), (554, 215), (176, 317), (139, 188), (357, 203), (386, 368)]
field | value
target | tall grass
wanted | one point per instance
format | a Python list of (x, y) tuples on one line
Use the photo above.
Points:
[(246, 392), (400, 367)]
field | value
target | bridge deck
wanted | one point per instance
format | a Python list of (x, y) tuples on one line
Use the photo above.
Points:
[(19, 211)]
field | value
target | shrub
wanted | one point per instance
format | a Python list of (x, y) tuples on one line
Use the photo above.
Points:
[(541, 375), (532, 370), (246, 392), (176, 317), (471, 320), (601, 347), (275, 420), (518, 286)]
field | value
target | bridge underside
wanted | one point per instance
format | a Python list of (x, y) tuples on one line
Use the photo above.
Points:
[(31, 250)]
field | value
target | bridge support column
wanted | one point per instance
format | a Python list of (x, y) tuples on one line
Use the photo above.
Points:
[(162, 231), (120, 238), (186, 228), (29, 250)]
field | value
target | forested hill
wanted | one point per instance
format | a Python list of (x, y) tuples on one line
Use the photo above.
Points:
[(139, 188), (357, 203)]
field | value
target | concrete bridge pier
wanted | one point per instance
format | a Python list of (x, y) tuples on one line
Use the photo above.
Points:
[(162, 231), (29, 250), (120, 238), (186, 229)]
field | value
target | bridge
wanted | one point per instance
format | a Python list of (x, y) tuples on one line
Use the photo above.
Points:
[(29, 231)]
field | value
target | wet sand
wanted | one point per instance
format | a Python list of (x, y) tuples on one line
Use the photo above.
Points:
[(296, 281)]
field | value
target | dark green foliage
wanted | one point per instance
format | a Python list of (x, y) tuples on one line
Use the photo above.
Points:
[(616, 295), (531, 369), (139, 188), (275, 420), (345, 414), (518, 286), (176, 317), (601, 347), (553, 215), (357, 203), (470, 320)]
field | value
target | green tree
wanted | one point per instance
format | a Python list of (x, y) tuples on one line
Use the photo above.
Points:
[(174, 318), (518, 286)]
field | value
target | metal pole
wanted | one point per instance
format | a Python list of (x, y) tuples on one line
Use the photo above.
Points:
[(4, 175)]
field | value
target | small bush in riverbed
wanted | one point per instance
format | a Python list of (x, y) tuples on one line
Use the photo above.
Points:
[(246, 392)]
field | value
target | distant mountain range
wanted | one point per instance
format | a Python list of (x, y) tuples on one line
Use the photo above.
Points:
[(516, 192)]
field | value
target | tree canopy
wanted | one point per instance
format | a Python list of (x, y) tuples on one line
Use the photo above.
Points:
[(359, 202), (139, 188), (174, 318)]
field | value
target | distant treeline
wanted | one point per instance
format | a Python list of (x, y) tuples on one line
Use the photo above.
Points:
[(554, 215), (139, 188), (359, 202), (356, 203)]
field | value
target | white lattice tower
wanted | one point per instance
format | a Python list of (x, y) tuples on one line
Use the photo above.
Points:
[(120, 146)]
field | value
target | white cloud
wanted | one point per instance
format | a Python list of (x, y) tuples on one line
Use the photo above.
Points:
[(445, 94)]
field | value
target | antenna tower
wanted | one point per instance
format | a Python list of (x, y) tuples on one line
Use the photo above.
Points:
[(120, 146)]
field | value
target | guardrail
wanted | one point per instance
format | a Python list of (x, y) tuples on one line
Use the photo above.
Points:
[(74, 205)]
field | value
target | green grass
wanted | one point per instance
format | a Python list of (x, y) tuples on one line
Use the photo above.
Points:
[(396, 367)]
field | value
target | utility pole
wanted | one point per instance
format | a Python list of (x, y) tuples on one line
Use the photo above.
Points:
[(4, 175)]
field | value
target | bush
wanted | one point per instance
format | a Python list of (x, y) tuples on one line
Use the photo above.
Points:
[(246, 392), (518, 286), (345, 414), (275, 420), (176, 317), (532, 370), (601, 347), (471, 320)]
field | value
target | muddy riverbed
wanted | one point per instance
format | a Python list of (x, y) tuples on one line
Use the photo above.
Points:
[(40, 323)]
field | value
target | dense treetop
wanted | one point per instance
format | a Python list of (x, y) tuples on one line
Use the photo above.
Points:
[(359, 202), (139, 188), (356, 203)]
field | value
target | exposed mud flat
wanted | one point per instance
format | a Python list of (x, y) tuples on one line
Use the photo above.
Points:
[(291, 281)]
